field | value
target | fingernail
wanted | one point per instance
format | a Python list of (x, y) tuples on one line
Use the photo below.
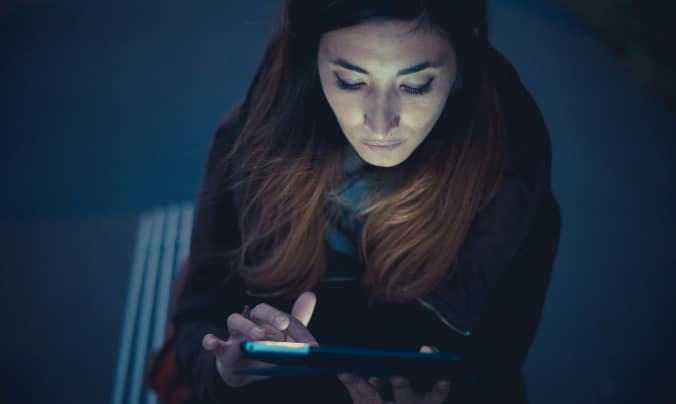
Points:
[(256, 332), (444, 385), (279, 321)]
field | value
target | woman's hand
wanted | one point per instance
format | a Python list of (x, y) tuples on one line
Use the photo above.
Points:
[(264, 323), (363, 392)]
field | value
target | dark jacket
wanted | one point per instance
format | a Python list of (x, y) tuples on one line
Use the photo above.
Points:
[(488, 312)]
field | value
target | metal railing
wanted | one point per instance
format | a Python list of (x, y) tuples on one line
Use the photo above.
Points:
[(162, 242)]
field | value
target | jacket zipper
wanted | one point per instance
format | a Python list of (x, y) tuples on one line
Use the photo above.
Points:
[(450, 325)]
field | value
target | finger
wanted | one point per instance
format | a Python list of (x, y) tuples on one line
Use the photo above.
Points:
[(403, 392), (230, 354), (239, 324), (228, 358), (348, 381), (358, 389), (429, 349), (377, 383), (227, 351), (265, 314), (439, 393), (299, 333), (303, 307), (210, 342)]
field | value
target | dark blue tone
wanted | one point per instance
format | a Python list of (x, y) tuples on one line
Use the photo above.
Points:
[(108, 111)]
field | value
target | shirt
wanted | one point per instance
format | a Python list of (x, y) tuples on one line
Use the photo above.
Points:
[(342, 234)]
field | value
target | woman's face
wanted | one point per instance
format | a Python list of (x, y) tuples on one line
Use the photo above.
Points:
[(386, 85)]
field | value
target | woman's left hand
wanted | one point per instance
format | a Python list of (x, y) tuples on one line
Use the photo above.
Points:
[(363, 392)]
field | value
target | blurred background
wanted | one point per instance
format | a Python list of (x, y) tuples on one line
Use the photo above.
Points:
[(108, 109)]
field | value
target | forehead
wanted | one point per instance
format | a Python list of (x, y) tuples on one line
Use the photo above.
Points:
[(384, 42)]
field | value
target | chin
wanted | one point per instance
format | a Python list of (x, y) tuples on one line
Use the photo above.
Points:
[(382, 159), (382, 162)]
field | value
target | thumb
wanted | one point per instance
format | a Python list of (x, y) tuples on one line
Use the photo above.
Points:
[(303, 307)]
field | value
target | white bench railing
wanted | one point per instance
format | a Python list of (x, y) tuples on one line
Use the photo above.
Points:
[(162, 242)]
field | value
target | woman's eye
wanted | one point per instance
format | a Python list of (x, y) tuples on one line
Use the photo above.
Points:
[(419, 90), (344, 85), (348, 86)]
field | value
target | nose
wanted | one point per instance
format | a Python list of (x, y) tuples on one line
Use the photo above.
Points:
[(381, 118)]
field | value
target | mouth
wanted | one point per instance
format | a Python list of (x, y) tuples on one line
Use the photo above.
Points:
[(381, 146)]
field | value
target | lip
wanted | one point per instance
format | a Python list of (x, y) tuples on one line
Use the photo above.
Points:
[(383, 147), (383, 144)]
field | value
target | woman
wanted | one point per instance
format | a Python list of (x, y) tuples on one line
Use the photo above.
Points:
[(385, 183)]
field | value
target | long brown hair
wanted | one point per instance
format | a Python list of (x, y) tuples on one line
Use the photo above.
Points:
[(291, 150)]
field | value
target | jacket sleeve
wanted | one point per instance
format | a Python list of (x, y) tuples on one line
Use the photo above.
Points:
[(501, 228), (210, 293)]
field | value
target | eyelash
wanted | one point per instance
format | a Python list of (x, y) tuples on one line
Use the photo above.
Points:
[(411, 90)]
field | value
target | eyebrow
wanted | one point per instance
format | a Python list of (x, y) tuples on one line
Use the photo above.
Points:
[(409, 70)]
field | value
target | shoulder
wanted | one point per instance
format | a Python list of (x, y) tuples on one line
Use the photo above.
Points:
[(231, 124), (223, 139), (218, 171), (528, 137)]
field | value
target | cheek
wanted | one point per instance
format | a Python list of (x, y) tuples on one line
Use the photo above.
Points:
[(346, 110), (422, 115)]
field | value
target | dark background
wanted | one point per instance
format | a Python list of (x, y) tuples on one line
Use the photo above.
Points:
[(108, 109)]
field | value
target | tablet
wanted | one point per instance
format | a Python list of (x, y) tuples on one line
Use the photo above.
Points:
[(291, 358)]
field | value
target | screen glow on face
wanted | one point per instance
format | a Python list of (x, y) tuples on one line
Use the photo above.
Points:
[(386, 84)]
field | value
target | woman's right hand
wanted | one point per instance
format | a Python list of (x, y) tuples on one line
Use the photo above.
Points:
[(265, 323)]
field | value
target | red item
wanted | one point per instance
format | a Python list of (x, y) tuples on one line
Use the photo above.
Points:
[(245, 311), (163, 375)]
